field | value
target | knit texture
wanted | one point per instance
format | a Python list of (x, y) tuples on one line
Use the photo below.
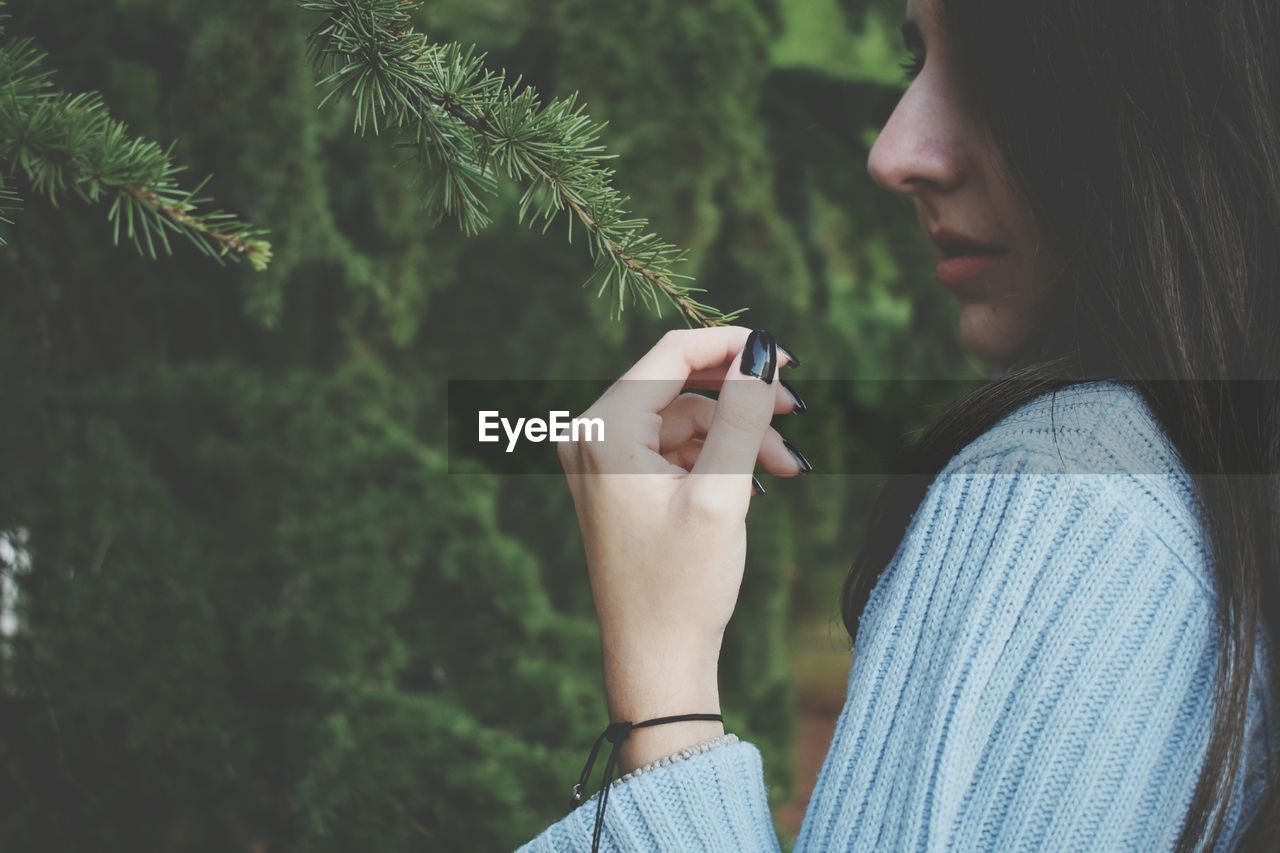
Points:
[(1034, 669), (687, 752)]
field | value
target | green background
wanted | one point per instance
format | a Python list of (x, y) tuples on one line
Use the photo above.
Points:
[(254, 610)]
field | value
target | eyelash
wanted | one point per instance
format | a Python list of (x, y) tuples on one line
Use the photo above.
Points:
[(911, 67)]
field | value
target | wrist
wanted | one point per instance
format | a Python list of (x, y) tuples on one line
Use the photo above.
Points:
[(660, 682), (653, 743)]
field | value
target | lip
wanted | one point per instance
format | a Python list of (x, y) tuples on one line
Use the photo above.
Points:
[(964, 268), (954, 244), (963, 258)]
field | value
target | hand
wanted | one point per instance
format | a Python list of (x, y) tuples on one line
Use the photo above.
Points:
[(662, 504)]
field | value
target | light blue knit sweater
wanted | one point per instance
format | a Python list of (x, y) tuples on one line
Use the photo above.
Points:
[(1033, 671)]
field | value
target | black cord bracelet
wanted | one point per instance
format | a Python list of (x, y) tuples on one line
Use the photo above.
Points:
[(616, 733)]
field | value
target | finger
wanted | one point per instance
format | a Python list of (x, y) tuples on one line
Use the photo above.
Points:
[(741, 419), (659, 377), (786, 358), (777, 456), (690, 418), (712, 379), (684, 455), (713, 376)]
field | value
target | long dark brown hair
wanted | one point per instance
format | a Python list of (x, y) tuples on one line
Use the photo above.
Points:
[(1144, 135)]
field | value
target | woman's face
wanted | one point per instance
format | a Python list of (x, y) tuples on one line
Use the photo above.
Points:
[(936, 150)]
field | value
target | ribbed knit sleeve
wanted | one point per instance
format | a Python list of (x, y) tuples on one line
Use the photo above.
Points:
[(1033, 670), (715, 800)]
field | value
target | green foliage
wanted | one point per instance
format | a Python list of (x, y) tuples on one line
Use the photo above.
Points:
[(831, 37), (262, 612), (68, 144), (469, 125)]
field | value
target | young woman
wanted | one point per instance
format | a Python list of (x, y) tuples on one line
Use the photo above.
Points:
[(1065, 628)]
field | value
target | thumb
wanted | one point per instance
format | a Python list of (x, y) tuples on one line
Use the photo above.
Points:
[(742, 416)]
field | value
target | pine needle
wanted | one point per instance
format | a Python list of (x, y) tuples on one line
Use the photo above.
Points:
[(65, 144), (471, 126)]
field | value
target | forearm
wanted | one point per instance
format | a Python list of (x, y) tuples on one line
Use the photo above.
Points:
[(640, 684)]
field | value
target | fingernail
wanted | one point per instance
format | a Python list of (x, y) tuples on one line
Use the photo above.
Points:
[(756, 488), (760, 356), (792, 361), (800, 406), (805, 467)]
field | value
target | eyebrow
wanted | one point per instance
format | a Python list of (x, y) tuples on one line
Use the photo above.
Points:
[(911, 36)]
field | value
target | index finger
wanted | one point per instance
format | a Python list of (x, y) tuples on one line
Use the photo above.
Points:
[(666, 369)]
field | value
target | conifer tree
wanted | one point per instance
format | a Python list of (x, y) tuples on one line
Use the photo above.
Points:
[(473, 126), (65, 144), (262, 608)]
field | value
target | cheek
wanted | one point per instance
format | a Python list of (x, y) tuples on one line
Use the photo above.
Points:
[(994, 330), (997, 321)]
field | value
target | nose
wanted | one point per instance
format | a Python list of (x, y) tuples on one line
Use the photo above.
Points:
[(917, 152)]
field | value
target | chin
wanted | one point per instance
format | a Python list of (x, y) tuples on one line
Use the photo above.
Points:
[(988, 335)]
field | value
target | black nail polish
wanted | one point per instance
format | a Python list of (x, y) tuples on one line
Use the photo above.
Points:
[(756, 488), (760, 356), (805, 467), (792, 361), (800, 404)]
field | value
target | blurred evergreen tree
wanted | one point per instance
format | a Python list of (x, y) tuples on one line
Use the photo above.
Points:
[(260, 612)]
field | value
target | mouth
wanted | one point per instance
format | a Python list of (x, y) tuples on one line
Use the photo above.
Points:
[(963, 258)]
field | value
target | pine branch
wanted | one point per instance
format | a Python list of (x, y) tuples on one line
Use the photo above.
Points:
[(468, 126), (64, 144), (10, 202)]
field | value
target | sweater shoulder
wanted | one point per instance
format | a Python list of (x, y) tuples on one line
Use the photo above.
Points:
[(1101, 438), (1090, 428)]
